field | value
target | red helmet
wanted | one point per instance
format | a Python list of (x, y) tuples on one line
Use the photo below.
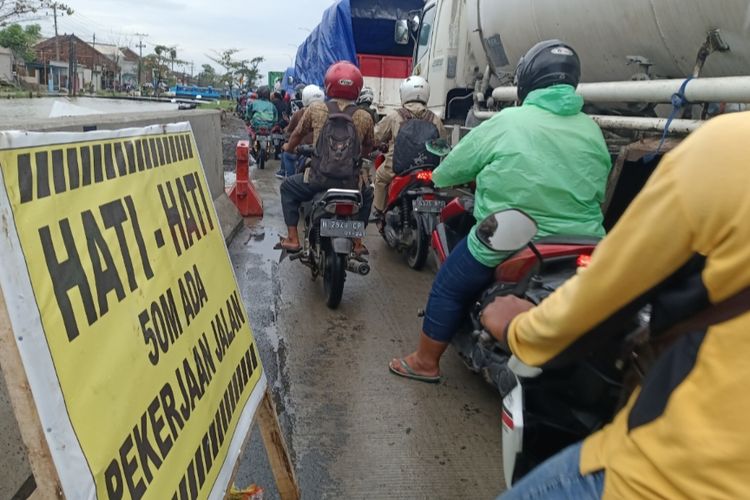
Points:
[(343, 81)]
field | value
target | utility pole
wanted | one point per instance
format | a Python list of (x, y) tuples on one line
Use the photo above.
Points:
[(57, 44), (72, 67), (57, 41), (140, 46)]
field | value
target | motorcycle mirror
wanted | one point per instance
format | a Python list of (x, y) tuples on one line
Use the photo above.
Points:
[(438, 147), (506, 231), (401, 35)]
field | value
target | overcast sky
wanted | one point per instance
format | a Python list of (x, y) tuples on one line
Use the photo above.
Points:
[(267, 28)]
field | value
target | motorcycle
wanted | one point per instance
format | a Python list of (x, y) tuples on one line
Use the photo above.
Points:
[(277, 140), (328, 237), (542, 411), (412, 209), (261, 140)]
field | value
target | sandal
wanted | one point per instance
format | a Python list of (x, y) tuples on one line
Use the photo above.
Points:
[(282, 246), (411, 374)]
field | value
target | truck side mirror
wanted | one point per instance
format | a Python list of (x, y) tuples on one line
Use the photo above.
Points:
[(506, 231), (415, 22), (401, 35)]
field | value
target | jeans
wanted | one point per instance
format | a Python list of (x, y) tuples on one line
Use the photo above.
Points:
[(288, 164), (458, 283), (295, 191), (558, 479)]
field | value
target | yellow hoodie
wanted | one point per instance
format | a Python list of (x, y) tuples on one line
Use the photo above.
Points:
[(685, 433)]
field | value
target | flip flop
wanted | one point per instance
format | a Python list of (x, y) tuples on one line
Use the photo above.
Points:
[(410, 374)]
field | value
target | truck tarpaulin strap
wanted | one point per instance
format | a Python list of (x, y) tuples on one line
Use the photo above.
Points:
[(679, 101)]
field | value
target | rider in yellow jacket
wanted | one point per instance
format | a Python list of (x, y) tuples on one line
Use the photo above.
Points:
[(684, 432)]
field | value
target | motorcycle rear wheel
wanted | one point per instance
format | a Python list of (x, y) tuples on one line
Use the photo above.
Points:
[(416, 255), (262, 158), (333, 279)]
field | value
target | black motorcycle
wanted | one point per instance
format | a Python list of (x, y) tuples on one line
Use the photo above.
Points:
[(330, 228)]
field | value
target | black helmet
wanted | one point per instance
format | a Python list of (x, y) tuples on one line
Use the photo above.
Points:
[(264, 92), (298, 91), (547, 63)]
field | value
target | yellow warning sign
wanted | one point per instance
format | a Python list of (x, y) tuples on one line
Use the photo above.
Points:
[(150, 363)]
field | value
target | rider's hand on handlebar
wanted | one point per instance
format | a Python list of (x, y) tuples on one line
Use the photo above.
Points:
[(285, 147), (497, 316)]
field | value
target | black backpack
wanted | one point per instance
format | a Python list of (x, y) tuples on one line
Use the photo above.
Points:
[(409, 149), (337, 151), (296, 105)]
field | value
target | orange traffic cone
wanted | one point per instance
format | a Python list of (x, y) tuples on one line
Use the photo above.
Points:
[(243, 193)]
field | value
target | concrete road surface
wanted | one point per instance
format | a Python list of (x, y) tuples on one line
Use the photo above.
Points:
[(355, 430)]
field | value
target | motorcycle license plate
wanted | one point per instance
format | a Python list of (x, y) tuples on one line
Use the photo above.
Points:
[(430, 206), (342, 228)]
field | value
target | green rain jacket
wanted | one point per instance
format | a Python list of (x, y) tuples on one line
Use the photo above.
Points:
[(545, 158)]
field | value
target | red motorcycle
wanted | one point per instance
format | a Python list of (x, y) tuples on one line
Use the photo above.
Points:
[(411, 212), (533, 272)]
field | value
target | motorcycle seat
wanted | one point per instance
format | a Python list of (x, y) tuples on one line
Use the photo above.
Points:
[(568, 239), (332, 195)]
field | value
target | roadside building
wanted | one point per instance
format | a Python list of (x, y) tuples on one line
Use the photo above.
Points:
[(92, 70)]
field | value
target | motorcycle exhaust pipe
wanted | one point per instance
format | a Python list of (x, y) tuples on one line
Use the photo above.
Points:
[(358, 267)]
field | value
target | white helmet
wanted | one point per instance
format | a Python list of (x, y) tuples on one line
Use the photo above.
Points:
[(312, 93), (414, 89)]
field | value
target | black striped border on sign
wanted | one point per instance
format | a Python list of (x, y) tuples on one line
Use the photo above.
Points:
[(89, 164)]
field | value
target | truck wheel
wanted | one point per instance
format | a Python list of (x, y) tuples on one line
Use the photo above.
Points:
[(333, 279)]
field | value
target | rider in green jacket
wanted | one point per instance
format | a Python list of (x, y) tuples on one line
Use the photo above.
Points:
[(546, 158)]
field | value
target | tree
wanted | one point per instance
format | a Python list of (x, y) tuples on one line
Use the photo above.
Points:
[(21, 40), (238, 72), (207, 77), (26, 10), (226, 60), (248, 74)]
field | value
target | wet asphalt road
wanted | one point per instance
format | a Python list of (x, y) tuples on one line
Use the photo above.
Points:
[(355, 430)]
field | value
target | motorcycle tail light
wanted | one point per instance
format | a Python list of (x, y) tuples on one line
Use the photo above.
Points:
[(583, 260), (343, 209), (424, 175), (429, 196)]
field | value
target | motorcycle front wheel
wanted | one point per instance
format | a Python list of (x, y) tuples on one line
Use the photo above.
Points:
[(416, 255), (333, 279)]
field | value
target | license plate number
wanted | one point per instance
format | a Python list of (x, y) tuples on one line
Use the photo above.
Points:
[(342, 228), (431, 206)]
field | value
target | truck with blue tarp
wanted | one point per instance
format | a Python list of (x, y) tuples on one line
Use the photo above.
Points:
[(362, 32)]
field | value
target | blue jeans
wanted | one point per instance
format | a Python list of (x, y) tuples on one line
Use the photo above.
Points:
[(558, 479), (288, 164), (458, 283)]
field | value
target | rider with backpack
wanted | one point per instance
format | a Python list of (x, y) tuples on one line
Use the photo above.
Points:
[(406, 129), (342, 134)]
